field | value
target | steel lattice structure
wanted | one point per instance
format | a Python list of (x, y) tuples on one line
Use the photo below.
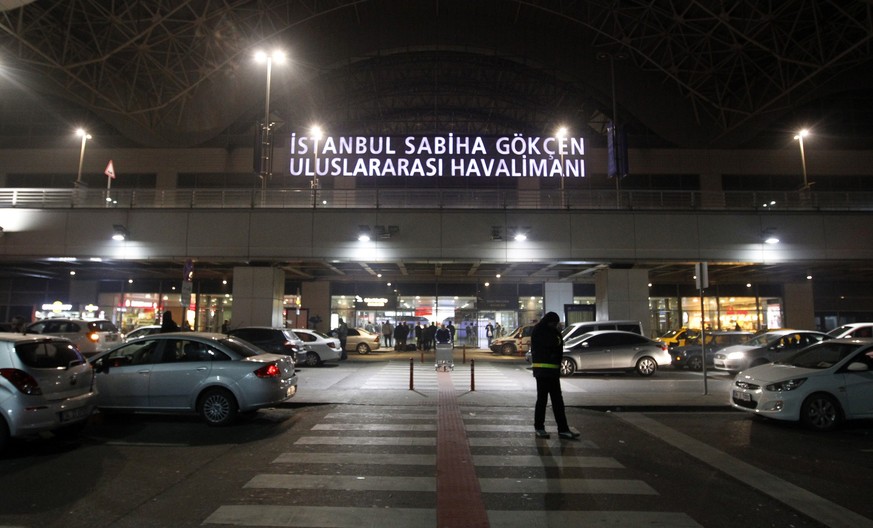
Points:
[(687, 73)]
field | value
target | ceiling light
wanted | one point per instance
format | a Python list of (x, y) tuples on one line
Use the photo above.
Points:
[(119, 232)]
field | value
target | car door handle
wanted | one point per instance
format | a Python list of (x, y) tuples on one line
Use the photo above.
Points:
[(143, 371), (202, 368)]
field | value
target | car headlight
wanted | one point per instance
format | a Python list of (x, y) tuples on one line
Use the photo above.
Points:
[(785, 385), (736, 355)]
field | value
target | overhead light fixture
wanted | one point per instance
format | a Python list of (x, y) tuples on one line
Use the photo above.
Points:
[(769, 236), (363, 233), (496, 233), (519, 234), (120, 232)]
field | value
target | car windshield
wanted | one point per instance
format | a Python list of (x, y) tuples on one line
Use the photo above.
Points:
[(821, 356), (320, 334), (762, 339), (49, 354), (243, 348)]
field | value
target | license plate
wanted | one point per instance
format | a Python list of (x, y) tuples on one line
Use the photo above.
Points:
[(74, 414), (742, 396)]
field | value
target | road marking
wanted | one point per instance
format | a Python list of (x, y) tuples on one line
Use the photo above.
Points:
[(533, 461), (810, 504), (565, 485), (355, 458), (343, 482), (367, 440), (613, 519), (310, 516)]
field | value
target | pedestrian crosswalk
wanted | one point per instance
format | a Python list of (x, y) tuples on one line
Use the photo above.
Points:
[(377, 467)]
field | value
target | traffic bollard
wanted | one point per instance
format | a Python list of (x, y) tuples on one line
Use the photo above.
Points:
[(472, 375), (411, 367)]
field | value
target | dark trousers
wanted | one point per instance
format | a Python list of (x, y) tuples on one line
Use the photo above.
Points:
[(550, 387)]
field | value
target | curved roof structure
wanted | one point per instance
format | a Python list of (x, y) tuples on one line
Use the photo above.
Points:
[(678, 73)]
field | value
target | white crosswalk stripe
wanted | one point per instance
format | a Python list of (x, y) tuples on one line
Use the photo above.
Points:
[(314, 464)]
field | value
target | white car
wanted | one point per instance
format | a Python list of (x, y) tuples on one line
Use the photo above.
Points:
[(91, 336), (820, 386), (317, 347), (45, 385), (141, 331)]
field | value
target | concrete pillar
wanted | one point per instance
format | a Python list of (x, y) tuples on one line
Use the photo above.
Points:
[(623, 294), (711, 191), (258, 295), (316, 299), (799, 305), (557, 295)]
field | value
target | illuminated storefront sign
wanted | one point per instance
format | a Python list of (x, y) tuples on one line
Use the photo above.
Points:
[(57, 307), (372, 302), (450, 155)]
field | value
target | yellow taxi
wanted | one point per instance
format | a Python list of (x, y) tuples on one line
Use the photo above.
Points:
[(678, 336)]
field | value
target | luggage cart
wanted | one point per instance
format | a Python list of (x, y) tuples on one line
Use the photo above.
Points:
[(444, 359)]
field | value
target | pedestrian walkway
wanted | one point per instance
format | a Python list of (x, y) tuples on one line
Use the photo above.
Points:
[(382, 466)]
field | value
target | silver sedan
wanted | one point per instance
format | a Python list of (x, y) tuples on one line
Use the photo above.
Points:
[(212, 374), (613, 350), (318, 347)]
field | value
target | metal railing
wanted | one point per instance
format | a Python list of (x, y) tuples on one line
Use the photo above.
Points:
[(433, 199)]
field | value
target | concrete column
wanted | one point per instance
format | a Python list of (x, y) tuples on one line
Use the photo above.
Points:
[(316, 298), (623, 294), (557, 295), (799, 305), (711, 191), (258, 293)]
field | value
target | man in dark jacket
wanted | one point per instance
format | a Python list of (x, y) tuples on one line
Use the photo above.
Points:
[(547, 349)]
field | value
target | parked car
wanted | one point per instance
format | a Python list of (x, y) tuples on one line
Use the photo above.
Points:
[(318, 347), (90, 336), (517, 342), (45, 385), (214, 375), (361, 341), (856, 330), (576, 329), (689, 354), (142, 331), (678, 336), (613, 350), (765, 348), (820, 386), (269, 339)]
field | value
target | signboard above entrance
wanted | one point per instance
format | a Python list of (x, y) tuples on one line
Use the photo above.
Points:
[(450, 155)]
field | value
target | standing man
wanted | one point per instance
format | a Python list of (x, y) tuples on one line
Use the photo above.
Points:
[(451, 328), (387, 332), (547, 349), (342, 332), (489, 332)]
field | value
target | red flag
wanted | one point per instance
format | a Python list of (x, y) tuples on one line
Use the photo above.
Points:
[(110, 170)]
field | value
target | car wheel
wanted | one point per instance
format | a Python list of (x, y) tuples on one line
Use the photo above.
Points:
[(217, 407), (312, 359), (821, 412), (646, 366), (4, 434), (568, 367), (362, 349), (508, 349), (695, 363)]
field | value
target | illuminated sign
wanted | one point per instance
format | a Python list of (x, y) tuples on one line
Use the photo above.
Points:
[(372, 301), (57, 307), (461, 156)]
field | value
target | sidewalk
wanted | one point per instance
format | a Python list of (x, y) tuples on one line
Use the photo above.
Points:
[(500, 381)]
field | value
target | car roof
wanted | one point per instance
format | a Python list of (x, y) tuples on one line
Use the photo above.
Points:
[(18, 337)]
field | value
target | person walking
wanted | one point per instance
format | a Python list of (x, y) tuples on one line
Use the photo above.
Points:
[(489, 333), (419, 328), (451, 328), (547, 348)]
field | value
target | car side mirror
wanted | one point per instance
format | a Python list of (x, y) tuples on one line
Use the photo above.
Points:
[(101, 366), (857, 366)]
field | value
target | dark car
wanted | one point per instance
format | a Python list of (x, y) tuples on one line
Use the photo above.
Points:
[(271, 339), (689, 354)]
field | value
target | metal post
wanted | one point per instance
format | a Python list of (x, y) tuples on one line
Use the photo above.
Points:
[(464, 354), (411, 367), (472, 375)]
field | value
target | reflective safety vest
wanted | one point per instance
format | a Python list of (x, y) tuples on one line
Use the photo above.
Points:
[(545, 365)]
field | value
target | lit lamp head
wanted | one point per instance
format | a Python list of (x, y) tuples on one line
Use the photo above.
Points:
[(119, 232)]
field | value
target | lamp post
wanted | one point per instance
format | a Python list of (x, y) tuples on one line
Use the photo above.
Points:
[(560, 134), (266, 139), (316, 133), (799, 137), (85, 137)]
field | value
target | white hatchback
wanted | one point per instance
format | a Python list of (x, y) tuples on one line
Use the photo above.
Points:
[(820, 386), (45, 385), (91, 336)]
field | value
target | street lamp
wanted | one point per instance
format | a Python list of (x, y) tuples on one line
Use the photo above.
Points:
[(85, 137), (266, 136), (316, 133), (560, 134), (799, 137)]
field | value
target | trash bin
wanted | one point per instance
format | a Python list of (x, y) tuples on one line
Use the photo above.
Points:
[(444, 359)]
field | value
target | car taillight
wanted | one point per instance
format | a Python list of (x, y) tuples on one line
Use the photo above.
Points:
[(664, 347), (291, 346), (94, 337), (22, 381), (268, 371)]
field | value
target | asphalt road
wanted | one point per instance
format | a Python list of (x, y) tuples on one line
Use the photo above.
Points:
[(369, 460)]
